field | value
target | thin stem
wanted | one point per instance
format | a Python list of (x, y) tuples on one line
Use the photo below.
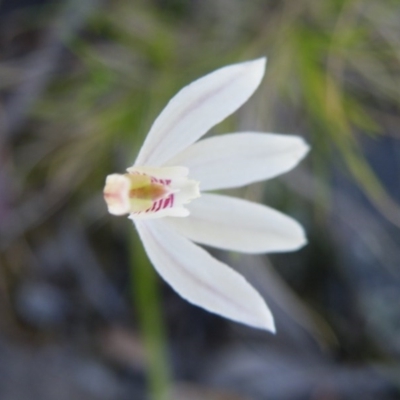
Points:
[(146, 296)]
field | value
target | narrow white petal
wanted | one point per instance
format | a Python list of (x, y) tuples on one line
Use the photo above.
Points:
[(201, 279), (238, 159), (197, 108), (238, 225)]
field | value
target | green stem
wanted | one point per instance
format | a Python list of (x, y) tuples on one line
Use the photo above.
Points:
[(146, 296)]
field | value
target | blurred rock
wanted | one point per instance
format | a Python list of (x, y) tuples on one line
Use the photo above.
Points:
[(262, 373), (58, 373), (41, 305), (197, 392)]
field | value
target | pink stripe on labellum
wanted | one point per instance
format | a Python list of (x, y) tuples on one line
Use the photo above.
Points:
[(168, 201), (159, 205)]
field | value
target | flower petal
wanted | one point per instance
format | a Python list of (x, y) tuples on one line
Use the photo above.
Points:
[(198, 107), (238, 225), (238, 159), (201, 279)]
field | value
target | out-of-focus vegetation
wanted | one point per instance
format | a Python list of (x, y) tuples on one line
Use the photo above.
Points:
[(81, 83)]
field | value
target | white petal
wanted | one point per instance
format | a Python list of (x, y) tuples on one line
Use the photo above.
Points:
[(176, 212), (238, 159), (238, 225), (197, 108), (201, 279), (161, 173)]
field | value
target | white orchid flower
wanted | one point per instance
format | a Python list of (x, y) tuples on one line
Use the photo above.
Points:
[(163, 193)]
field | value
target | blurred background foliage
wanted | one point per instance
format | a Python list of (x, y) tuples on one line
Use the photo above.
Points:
[(81, 83)]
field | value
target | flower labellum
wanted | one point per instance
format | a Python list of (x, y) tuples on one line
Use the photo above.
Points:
[(163, 194)]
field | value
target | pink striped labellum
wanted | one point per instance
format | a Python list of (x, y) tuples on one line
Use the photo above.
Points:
[(146, 192)]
